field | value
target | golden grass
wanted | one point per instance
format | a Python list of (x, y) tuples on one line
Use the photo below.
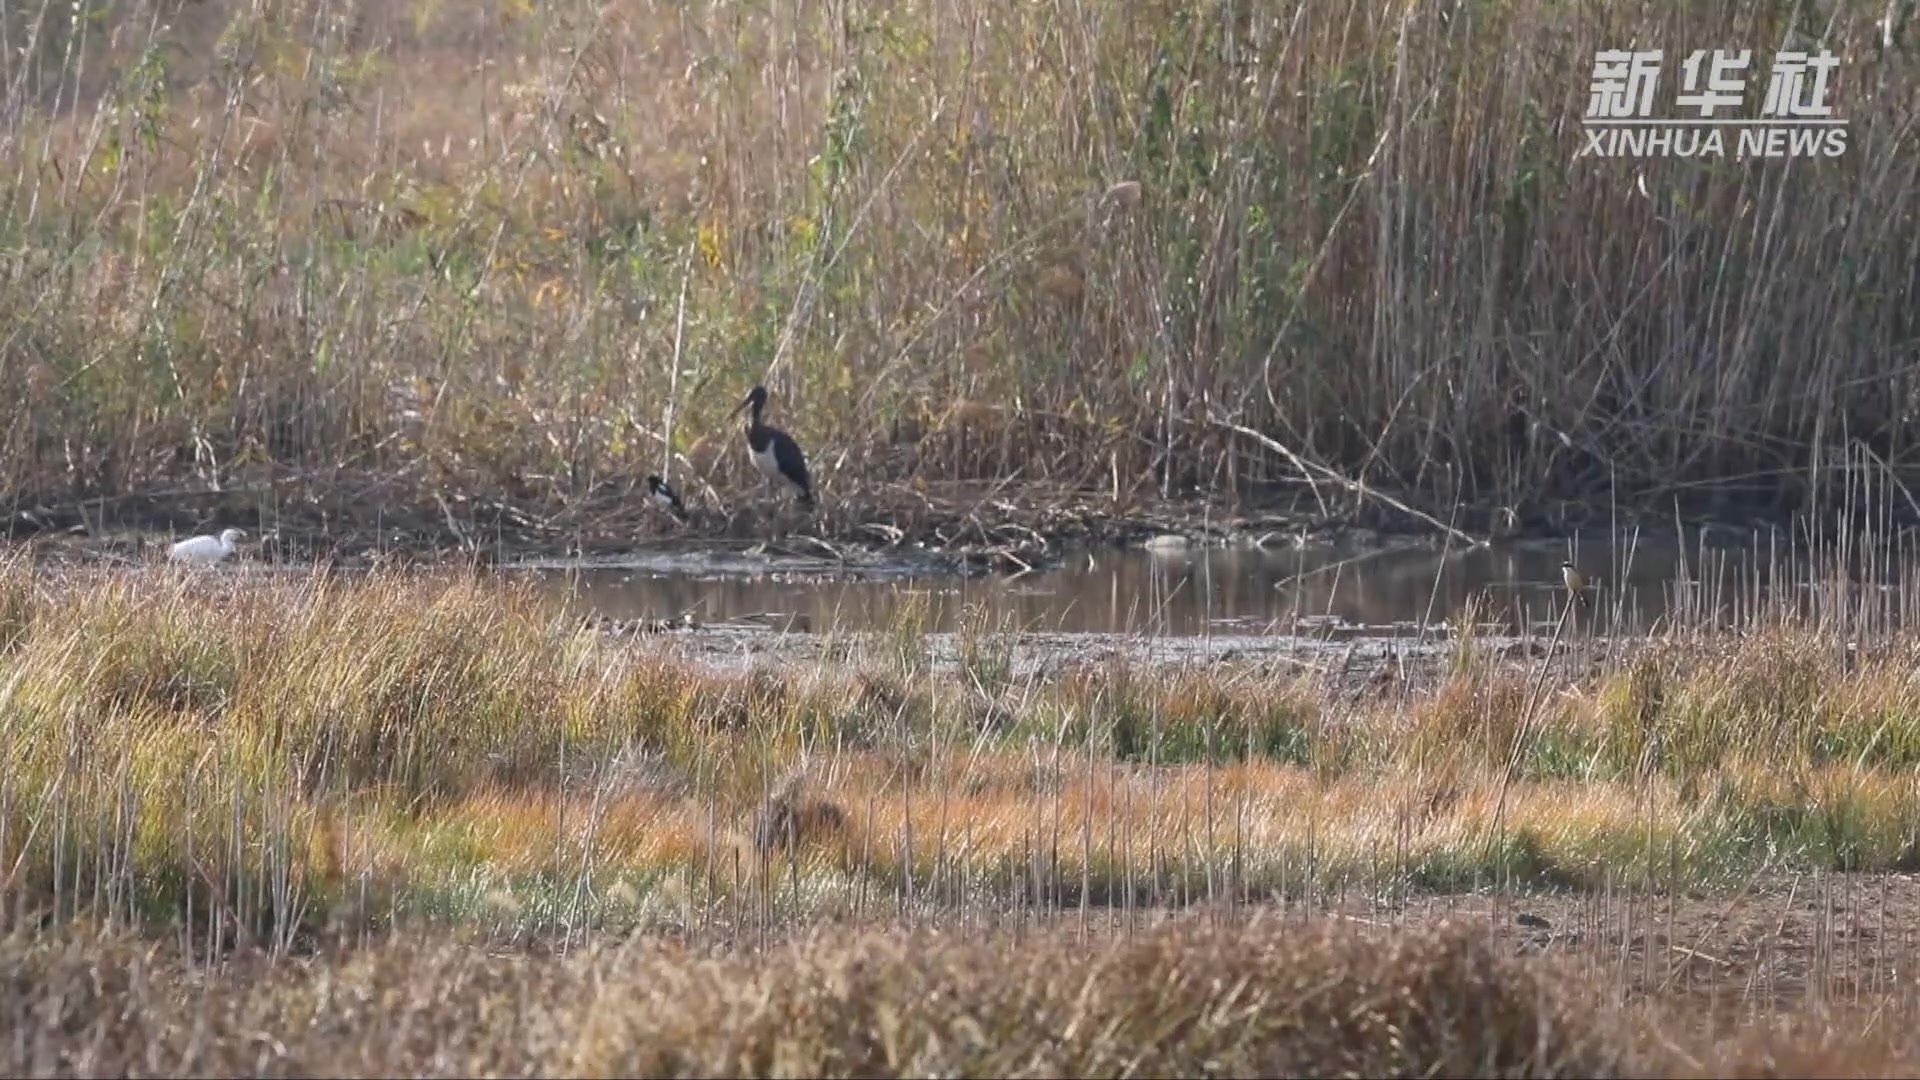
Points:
[(346, 793), (255, 755)]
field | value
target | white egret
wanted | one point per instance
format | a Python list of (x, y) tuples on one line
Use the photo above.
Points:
[(205, 549)]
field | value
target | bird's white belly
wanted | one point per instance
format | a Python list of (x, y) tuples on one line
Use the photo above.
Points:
[(764, 461), (201, 549)]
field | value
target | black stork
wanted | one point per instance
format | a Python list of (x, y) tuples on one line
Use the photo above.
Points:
[(774, 452), (666, 498)]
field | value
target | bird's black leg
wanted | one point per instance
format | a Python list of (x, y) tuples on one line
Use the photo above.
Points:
[(766, 523), (772, 503)]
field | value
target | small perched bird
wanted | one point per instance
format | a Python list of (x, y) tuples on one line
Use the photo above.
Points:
[(1575, 582), (205, 550), (666, 498), (773, 451)]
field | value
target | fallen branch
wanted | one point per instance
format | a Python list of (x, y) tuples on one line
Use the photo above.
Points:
[(1007, 554), (833, 552), (452, 525), (1698, 955), (1358, 487)]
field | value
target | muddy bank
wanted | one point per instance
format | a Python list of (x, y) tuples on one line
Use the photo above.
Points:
[(972, 531), (1350, 662), (347, 519)]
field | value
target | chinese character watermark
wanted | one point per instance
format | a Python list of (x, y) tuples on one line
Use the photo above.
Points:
[(1623, 83), (1789, 95), (1795, 118), (1724, 89)]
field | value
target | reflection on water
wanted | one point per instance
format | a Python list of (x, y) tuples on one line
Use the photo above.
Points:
[(1190, 591)]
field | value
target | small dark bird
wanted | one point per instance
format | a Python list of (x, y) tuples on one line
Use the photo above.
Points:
[(774, 452), (1575, 582), (666, 498)]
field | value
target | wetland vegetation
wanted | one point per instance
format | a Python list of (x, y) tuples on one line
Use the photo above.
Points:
[(456, 278), (463, 275), (231, 782)]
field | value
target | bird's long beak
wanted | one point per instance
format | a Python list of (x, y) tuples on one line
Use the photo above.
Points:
[(740, 408)]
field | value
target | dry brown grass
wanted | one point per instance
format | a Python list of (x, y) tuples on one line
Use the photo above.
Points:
[(1272, 1000), (424, 823), (354, 254), (1192, 995)]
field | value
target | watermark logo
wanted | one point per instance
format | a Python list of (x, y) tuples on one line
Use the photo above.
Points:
[(1795, 119)]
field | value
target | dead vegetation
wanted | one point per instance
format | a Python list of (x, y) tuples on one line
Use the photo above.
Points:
[(426, 823), (470, 272), (792, 818), (1264, 1000), (1260, 997)]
